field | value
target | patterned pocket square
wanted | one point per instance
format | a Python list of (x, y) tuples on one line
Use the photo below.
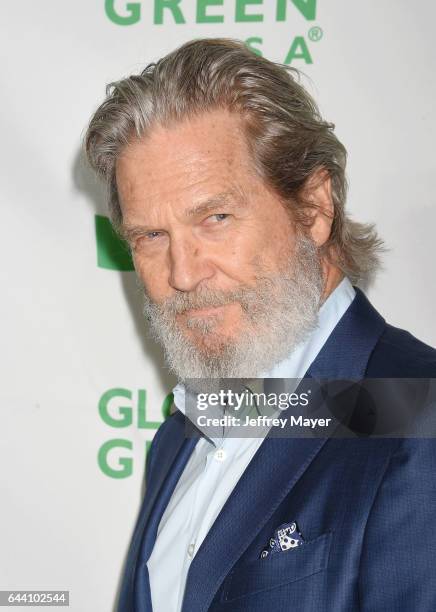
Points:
[(285, 537)]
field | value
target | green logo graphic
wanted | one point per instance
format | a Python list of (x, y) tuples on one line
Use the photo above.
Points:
[(112, 252), (306, 7), (297, 50), (114, 457), (172, 11)]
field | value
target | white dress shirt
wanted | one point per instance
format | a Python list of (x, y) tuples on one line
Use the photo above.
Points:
[(215, 467)]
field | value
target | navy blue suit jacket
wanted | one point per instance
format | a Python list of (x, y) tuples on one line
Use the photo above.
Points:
[(366, 507)]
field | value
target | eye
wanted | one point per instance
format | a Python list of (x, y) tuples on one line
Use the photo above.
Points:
[(218, 217), (152, 235), (145, 239)]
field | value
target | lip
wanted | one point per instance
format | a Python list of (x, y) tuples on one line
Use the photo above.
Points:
[(204, 312)]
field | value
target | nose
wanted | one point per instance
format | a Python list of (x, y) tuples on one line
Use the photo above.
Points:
[(189, 263)]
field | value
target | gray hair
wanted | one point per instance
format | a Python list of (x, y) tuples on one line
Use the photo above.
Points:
[(287, 138)]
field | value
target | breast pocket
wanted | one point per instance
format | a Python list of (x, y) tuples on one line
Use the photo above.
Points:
[(278, 569)]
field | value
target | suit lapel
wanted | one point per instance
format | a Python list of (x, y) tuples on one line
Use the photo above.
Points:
[(135, 594), (345, 355), (165, 478), (152, 520)]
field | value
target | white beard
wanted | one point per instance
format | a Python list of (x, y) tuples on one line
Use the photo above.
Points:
[(279, 313)]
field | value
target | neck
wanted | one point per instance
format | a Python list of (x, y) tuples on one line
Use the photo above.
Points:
[(332, 278)]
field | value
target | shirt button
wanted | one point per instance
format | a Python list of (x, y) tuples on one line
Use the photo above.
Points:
[(191, 549), (220, 455)]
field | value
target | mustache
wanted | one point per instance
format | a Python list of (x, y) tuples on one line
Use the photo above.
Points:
[(205, 297)]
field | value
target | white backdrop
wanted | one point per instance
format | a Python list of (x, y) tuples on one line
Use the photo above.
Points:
[(73, 330)]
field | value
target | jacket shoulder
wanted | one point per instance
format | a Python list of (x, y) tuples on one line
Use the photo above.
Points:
[(399, 354)]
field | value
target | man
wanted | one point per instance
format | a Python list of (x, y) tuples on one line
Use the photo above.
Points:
[(230, 190)]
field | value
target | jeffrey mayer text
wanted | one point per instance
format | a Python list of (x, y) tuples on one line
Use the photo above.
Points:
[(261, 421)]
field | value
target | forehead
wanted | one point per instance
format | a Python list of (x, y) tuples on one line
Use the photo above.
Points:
[(203, 154)]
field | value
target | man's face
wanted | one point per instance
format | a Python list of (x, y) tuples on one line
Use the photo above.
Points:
[(207, 235)]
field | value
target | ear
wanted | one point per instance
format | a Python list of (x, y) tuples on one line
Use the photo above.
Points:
[(318, 191)]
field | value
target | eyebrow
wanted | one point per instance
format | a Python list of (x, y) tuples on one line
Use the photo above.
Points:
[(130, 232), (221, 199)]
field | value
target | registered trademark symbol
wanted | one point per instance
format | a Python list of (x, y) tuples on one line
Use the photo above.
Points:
[(315, 33)]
